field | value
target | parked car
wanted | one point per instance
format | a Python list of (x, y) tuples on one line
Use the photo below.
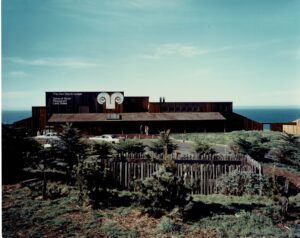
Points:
[(49, 135), (108, 138)]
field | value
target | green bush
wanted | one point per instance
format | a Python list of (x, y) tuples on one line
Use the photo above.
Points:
[(295, 202), (162, 191), (157, 147), (257, 147), (243, 224), (35, 188), (55, 190), (239, 183), (164, 145), (94, 181), (287, 150), (275, 211), (102, 150), (130, 146), (167, 225), (202, 148)]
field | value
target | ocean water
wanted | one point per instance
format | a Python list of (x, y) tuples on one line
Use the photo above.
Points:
[(265, 115), (9, 117), (257, 114)]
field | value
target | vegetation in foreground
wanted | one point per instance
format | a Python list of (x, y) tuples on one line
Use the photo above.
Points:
[(73, 194), (280, 149), (206, 216)]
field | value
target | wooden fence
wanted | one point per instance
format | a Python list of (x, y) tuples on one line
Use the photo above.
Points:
[(201, 175)]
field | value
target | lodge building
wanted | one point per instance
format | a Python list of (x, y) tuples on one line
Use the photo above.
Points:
[(112, 112)]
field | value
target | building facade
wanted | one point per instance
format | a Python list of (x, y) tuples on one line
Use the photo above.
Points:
[(113, 112)]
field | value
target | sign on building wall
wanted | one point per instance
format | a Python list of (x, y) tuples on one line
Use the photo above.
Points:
[(110, 100), (62, 98), (84, 102)]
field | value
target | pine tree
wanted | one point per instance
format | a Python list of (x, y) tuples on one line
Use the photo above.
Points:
[(70, 148)]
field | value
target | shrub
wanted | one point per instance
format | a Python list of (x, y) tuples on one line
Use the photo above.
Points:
[(130, 146), (55, 190), (256, 147), (275, 212), (93, 180), (239, 183), (103, 149), (163, 191), (288, 150), (157, 147), (202, 148), (164, 145), (243, 224), (167, 225), (114, 230)]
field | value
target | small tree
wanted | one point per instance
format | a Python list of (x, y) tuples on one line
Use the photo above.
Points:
[(70, 148), (42, 163), (162, 192), (164, 145), (202, 148), (94, 181)]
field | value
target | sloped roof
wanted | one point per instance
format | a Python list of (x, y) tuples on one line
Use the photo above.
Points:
[(138, 116)]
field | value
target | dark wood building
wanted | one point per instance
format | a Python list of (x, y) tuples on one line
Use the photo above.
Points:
[(112, 112)]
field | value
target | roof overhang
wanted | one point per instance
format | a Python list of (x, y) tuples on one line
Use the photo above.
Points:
[(139, 116)]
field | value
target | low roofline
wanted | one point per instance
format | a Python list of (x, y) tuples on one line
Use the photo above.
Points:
[(140, 116)]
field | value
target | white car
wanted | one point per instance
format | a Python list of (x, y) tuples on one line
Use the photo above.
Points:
[(108, 138), (49, 135)]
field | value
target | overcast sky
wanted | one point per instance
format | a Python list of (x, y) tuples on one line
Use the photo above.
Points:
[(245, 51)]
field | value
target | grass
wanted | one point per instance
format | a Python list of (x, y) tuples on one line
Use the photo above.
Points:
[(225, 138), (112, 229), (229, 216), (124, 211), (229, 200), (26, 215), (243, 224), (167, 225)]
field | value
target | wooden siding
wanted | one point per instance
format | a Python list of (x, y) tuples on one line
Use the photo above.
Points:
[(279, 126), (135, 104), (235, 121), (39, 119), (190, 107), (292, 129)]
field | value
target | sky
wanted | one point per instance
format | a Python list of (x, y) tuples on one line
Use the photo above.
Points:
[(247, 52)]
